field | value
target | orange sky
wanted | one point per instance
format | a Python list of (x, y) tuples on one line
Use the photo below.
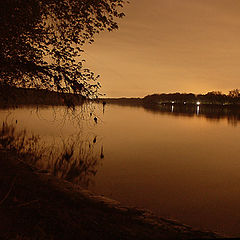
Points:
[(170, 46)]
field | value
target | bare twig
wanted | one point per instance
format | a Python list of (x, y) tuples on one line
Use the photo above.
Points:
[(27, 203), (9, 191)]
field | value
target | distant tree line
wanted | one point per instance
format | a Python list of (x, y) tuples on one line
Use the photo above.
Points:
[(214, 97)]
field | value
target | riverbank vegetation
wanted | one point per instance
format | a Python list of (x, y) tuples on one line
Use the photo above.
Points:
[(214, 97), (72, 159)]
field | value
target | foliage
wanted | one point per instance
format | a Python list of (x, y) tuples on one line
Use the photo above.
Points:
[(41, 42), (234, 93)]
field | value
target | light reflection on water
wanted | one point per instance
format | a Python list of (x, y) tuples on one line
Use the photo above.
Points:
[(183, 165)]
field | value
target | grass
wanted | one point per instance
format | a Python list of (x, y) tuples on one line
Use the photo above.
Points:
[(72, 159)]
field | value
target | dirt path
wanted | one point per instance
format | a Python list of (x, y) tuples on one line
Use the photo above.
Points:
[(35, 205)]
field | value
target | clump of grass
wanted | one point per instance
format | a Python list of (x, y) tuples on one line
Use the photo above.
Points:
[(77, 161), (26, 145), (72, 159)]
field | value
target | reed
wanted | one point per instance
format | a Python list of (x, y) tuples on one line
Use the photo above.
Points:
[(72, 159)]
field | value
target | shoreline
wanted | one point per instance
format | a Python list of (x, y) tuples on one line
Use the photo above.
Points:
[(36, 205)]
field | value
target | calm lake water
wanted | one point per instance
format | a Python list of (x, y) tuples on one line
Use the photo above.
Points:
[(184, 166)]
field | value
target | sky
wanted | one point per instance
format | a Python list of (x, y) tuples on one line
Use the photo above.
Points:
[(170, 46)]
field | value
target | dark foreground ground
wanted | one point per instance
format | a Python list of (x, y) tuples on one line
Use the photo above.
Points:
[(35, 205)]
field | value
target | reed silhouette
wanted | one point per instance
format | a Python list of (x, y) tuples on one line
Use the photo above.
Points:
[(73, 159)]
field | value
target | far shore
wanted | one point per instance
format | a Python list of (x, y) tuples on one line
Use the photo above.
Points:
[(13, 97)]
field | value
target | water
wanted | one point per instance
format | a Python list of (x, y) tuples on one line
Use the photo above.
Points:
[(181, 164)]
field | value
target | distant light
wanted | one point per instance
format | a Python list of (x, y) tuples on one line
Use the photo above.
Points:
[(198, 103), (184, 102), (173, 101)]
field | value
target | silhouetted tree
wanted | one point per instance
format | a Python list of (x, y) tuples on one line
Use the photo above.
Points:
[(234, 93), (234, 96), (41, 41), (216, 97)]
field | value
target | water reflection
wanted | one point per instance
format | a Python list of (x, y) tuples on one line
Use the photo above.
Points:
[(231, 114), (210, 112), (73, 159), (198, 110)]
